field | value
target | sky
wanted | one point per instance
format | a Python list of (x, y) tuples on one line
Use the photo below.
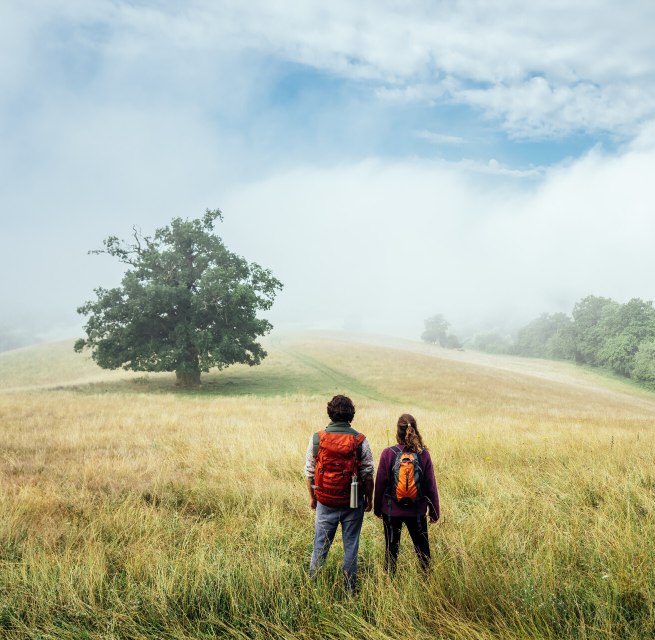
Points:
[(387, 159)]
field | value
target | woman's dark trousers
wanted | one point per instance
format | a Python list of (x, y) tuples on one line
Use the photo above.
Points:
[(418, 531)]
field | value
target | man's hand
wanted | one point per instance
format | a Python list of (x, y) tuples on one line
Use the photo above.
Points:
[(312, 495), (368, 494), (433, 519)]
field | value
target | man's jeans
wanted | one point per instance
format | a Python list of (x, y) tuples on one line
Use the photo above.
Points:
[(327, 521)]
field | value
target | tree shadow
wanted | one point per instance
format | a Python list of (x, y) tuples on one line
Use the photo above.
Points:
[(268, 383)]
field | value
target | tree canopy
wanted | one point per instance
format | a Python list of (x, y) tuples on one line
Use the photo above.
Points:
[(543, 337), (186, 304), (436, 330), (490, 342)]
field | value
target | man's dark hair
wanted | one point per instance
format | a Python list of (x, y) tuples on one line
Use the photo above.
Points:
[(341, 409)]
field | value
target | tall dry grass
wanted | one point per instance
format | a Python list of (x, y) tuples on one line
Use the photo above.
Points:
[(131, 510)]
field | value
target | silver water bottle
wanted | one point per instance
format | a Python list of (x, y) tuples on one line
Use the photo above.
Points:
[(354, 493)]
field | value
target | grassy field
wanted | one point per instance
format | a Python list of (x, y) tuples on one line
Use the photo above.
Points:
[(130, 509)]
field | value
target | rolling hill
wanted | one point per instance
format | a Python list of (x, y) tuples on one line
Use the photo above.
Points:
[(134, 509)]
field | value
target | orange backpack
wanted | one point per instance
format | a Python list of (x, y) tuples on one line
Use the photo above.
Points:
[(406, 477), (337, 461)]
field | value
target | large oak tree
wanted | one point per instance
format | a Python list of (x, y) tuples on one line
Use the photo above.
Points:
[(186, 304)]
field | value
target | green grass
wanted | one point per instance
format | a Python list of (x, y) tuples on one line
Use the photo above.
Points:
[(287, 371)]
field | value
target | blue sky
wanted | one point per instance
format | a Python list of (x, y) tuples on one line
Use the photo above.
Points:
[(487, 160)]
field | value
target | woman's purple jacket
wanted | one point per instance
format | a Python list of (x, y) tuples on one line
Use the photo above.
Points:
[(383, 504)]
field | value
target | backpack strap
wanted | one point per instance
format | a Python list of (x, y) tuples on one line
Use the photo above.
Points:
[(396, 449), (361, 439)]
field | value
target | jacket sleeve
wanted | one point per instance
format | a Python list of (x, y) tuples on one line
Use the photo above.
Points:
[(381, 482), (310, 461), (367, 466), (431, 492)]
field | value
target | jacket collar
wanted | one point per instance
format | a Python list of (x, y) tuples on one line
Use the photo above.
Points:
[(341, 427)]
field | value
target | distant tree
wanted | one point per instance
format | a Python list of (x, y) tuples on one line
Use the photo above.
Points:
[(643, 369), (624, 327), (588, 335), (185, 304), (490, 342), (618, 352), (543, 337), (436, 330), (451, 341), (561, 345)]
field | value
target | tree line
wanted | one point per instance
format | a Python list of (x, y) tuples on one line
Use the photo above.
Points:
[(600, 333)]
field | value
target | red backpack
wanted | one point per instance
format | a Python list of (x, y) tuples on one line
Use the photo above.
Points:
[(337, 460)]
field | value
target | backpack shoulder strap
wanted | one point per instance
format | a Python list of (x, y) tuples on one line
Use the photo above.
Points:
[(316, 440), (360, 437)]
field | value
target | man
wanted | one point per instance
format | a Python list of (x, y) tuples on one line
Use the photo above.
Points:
[(333, 457)]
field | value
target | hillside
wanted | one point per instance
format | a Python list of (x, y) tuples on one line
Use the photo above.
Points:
[(320, 362), (132, 509), (49, 365)]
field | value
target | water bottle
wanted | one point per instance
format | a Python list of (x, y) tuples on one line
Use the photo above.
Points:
[(354, 492)]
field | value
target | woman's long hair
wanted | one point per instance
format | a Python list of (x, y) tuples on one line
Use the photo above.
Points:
[(407, 433)]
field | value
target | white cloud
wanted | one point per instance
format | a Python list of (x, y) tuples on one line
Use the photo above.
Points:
[(391, 243), (543, 68), (495, 168), (537, 108), (439, 138), (596, 60), (151, 133)]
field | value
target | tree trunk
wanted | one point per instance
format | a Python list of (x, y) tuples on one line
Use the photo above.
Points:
[(187, 378), (188, 372)]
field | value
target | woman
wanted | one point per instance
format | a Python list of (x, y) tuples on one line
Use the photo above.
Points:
[(405, 491)]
